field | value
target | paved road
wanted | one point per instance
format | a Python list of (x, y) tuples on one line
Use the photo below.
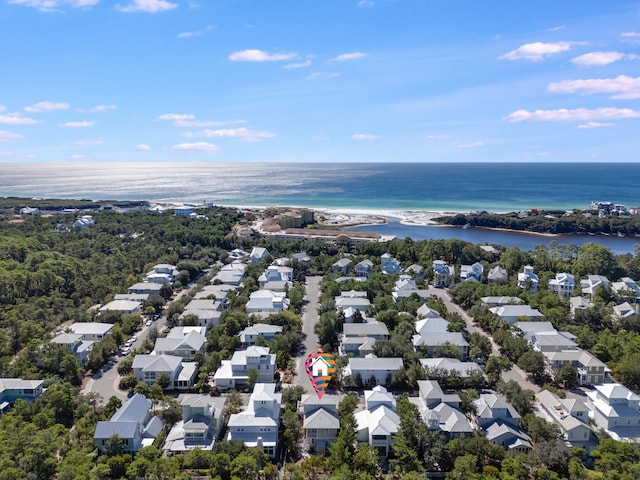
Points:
[(106, 382), (515, 373), (309, 319)]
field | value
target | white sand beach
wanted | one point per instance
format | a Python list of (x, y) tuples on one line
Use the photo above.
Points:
[(348, 216)]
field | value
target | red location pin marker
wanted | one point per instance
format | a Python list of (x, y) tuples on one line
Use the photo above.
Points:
[(320, 367)]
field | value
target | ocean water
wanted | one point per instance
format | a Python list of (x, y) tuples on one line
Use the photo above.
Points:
[(497, 187)]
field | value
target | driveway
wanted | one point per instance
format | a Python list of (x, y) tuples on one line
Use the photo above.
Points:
[(309, 319)]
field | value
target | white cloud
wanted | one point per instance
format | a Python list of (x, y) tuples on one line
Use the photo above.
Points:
[(2, 108), (538, 50), (242, 134), (575, 115), (143, 147), (596, 125), (148, 6), (98, 109), (196, 33), (366, 3), (196, 147), (77, 157), (16, 119), (46, 107), (306, 63), (437, 136), (176, 117), (83, 124), (364, 136), (600, 59), (319, 75), (53, 5), (622, 87), (630, 37), (8, 137), (349, 56), (556, 29), (253, 55), (89, 142), (470, 145), (206, 123)]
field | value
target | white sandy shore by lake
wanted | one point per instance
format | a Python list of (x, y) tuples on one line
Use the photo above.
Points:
[(350, 216)]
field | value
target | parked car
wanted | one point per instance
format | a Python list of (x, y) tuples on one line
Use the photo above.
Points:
[(125, 351), (148, 323)]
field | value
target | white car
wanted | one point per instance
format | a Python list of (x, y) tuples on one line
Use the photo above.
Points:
[(149, 323), (125, 351)]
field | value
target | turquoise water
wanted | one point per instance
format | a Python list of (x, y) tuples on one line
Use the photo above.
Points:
[(393, 186)]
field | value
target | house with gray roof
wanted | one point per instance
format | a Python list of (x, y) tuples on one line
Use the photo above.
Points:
[(136, 297), (535, 328), (416, 270), (496, 301), (625, 310), (514, 313), (553, 343), (122, 306), (150, 368), (146, 288), (508, 437), (424, 311), (405, 286), (450, 366), (343, 265), (492, 408), (590, 370), (257, 426), (432, 343), (74, 342), (234, 373), (320, 423), (373, 370), (91, 330), (592, 283), (266, 302), (579, 303), (570, 415), (497, 275), (626, 287), (250, 334), (429, 325), (274, 273), (200, 427), (301, 257), (356, 346), (377, 330), (440, 411), (181, 344), (364, 268), (11, 389), (133, 423), (379, 422)]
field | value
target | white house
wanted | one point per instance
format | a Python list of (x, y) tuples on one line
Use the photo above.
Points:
[(234, 373), (181, 344), (492, 408), (590, 370), (122, 306), (432, 343), (250, 334), (450, 365), (257, 426), (266, 301), (373, 370), (442, 273), (624, 310), (592, 283), (514, 313), (258, 254), (132, 423), (563, 284), (497, 275), (320, 422), (91, 330), (200, 427), (626, 287), (471, 273), (579, 303), (151, 368), (570, 415), (528, 280), (379, 422), (616, 409)]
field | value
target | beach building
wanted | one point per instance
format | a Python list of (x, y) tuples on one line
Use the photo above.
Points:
[(234, 373), (616, 410), (342, 266), (320, 424), (497, 275), (570, 415), (258, 254), (442, 273), (389, 264), (364, 268), (563, 284), (373, 370), (152, 368), (378, 422), (471, 273), (514, 313), (122, 306), (527, 280)]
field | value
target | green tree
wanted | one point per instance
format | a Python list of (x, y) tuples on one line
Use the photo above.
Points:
[(113, 446)]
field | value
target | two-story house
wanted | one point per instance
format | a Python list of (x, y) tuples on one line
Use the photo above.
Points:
[(257, 426), (442, 273), (471, 273), (234, 373), (364, 268), (378, 422), (249, 336), (132, 423), (200, 427), (373, 370), (616, 410), (527, 280), (320, 424), (570, 415), (152, 368), (181, 344), (389, 264), (563, 284)]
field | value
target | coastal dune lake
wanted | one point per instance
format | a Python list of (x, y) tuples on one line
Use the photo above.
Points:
[(497, 187)]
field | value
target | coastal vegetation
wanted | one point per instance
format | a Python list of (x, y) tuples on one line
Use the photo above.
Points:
[(52, 273), (552, 221)]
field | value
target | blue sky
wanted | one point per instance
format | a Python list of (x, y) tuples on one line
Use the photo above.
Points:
[(314, 81)]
